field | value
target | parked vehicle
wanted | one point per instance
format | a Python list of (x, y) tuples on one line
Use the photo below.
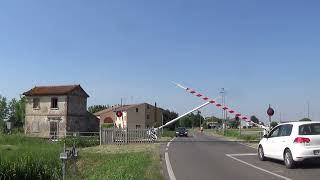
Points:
[(291, 142), (181, 131)]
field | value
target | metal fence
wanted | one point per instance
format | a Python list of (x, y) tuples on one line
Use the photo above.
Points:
[(126, 136)]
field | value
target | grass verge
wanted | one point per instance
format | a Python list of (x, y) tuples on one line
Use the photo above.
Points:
[(127, 162), (32, 158)]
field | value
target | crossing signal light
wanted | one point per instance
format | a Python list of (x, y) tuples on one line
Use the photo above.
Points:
[(119, 114)]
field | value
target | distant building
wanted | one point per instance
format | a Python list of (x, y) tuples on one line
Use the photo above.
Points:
[(53, 111), (134, 116)]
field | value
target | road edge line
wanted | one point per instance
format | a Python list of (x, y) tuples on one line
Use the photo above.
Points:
[(259, 168), (168, 164)]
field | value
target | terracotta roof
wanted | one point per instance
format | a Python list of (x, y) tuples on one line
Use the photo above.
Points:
[(53, 90)]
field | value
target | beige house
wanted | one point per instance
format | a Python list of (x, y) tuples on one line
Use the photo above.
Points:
[(55, 111), (134, 116)]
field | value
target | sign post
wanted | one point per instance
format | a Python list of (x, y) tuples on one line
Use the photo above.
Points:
[(270, 113)]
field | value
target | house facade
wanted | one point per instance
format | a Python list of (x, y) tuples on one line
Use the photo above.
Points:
[(55, 111), (133, 116)]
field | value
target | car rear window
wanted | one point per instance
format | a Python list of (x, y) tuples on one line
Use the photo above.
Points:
[(309, 129)]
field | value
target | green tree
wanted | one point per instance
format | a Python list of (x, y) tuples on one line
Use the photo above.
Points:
[(96, 108), (16, 111), (187, 121), (196, 119), (168, 116), (273, 124), (3, 111), (305, 119), (254, 119), (233, 123)]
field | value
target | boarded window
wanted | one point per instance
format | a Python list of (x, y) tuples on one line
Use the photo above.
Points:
[(36, 103), (54, 103), (35, 127)]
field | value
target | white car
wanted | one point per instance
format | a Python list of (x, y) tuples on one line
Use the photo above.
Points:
[(291, 142)]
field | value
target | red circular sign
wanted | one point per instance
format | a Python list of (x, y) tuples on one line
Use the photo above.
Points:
[(270, 111), (119, 114)]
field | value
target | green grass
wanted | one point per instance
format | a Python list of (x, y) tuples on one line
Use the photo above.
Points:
[(28, 158), (246, 134), (168, 133), (31, 158), (128, 162)]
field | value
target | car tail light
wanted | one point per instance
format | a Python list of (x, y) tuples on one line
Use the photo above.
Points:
[(302, 140)]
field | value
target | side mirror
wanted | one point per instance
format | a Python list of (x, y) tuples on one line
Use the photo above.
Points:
[(266, 136)]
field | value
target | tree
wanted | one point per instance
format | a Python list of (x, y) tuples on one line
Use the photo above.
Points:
[(305, 119), (96, 108), (3, 111), (16, 112), (168, 116), (196, 119), (254, 119), (273, 124), (187, 121)]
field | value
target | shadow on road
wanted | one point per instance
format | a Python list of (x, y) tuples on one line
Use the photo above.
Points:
[(308, 164)]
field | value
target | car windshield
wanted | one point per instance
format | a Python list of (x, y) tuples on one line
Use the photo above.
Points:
[(310, 129), (181, 129)]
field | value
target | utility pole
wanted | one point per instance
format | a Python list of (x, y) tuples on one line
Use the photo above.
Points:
[(308, 104), (223, 92)]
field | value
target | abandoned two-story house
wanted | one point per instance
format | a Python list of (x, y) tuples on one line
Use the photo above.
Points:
[(55, 111), (133, 116)]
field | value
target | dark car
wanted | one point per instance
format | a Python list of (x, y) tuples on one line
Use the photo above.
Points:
[(181, 131)]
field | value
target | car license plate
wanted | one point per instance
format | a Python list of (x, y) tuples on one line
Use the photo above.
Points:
[(316, 152)]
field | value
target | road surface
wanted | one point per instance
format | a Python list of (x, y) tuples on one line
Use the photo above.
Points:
[(204, 157)]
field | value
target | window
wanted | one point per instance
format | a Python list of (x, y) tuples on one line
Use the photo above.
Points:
[(275, 132), (54, 103), (285, 130), (35, 127), (148, 106), (138, 126), (36, 103), (137, 109), (148, 116), (310, 129)]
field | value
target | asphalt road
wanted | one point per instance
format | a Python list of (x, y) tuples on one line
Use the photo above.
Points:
[(204, 157)]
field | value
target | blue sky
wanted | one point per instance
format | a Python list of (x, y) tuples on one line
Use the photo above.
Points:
[(261, 51)]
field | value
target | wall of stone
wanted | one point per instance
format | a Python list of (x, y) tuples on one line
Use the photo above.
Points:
[(39, 126)]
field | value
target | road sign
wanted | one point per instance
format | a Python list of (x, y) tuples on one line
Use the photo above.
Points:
[(119, 114), (270, 111)]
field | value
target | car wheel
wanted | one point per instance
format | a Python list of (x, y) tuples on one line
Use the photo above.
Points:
[(261, 154), (288, 160)]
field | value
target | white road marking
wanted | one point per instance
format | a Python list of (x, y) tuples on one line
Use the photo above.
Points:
[(168, 145), (245, 154), (256, 167), (169, 167)]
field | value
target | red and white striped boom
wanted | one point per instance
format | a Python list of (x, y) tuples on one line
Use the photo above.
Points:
[(220, 106)]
